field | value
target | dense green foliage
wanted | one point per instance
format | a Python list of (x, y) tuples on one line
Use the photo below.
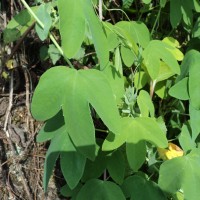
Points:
[(107, 124)]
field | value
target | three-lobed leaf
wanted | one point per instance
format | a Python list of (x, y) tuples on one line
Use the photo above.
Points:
[(73, 91)]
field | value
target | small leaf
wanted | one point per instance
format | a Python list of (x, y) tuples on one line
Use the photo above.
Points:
[(99, 190), (145, 104), (185, 139), (136, 154), (140, 79), (116, 166), (180, 90), (128, 56), (146, 1), (163, 3), (54, 53), (45, 18)]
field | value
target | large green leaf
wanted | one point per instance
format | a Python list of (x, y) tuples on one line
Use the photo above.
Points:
[(72, 26), (98, 35), (135, 130), (73, 91), (175, 12), (136, 187), (154, 53), (99, 190), (186, 172)]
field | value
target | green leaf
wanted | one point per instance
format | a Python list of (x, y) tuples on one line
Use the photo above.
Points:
[(18, 25), (45, 18), (175, 12), (116, 81), (127, 3), (116, 166), (60, 87), (94, 169), (52, 127), (147, 1), (137, 129), (112, 39), (163, 3), (136, 187), (145, 104), (194, 121), (52, 154), (185, 139), (136, 154), (128, 56), (180, 90), (54, 53), (72, 164), (99, 190), (194, 80), (72, 26), (187, 173), (98, 34), (196, 29), (67, 192), (118, 61), (156, 51), (140, 79)]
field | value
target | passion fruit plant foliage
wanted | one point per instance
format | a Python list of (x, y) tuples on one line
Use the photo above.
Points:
[(109, 126)]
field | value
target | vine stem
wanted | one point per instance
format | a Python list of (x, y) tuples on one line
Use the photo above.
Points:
[(157, 17), (100, 10), (50, 35)]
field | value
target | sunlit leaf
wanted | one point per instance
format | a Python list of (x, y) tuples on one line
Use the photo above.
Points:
[(60, 88)]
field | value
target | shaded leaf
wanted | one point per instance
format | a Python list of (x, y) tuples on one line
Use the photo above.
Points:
[(186, 171), (136, 187), (116, 166), (98, 190), (136, 154)]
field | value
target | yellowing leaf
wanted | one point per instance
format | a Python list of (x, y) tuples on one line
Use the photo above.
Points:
[(174, 50), (173, 151)]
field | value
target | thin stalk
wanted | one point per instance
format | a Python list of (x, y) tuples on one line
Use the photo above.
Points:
[(100, 130), (157, 18), (100, 10), (50, 35)]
